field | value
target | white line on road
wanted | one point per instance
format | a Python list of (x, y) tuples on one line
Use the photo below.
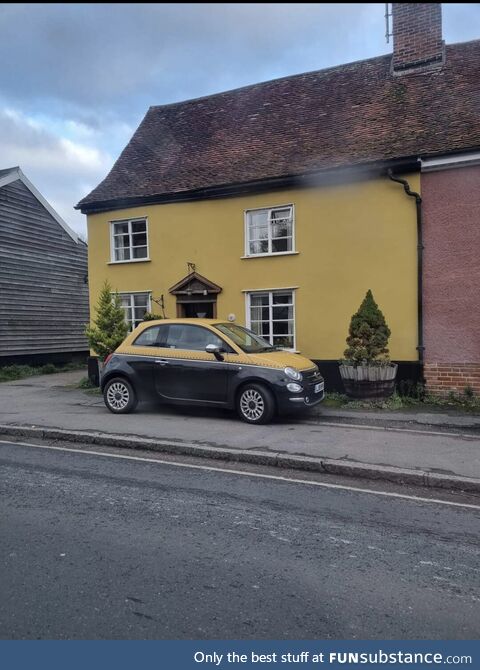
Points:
[(244, 474)]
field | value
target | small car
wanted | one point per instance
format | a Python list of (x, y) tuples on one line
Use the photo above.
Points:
[(212, 363)]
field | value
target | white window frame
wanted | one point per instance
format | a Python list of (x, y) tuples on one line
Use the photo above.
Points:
[(247, 212), (134, 219), (270, 292), (131, 322)]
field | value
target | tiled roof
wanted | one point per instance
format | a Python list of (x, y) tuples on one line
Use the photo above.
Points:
[(343, 116)]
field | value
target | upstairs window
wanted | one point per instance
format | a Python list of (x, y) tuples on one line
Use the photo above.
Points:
[(269, 231), (129, 240)]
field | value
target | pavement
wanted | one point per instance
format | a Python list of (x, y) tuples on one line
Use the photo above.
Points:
[(433, 449)]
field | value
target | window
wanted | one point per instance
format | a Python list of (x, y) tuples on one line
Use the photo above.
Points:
[(271, 314), (193, 338), (129, 240), (269, 231), (152, 337), (245, 339), (135, 305)]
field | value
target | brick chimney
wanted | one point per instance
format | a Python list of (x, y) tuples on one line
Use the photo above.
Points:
[(417, 36)]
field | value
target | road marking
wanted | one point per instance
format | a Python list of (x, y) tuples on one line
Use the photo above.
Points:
[(245, 474)]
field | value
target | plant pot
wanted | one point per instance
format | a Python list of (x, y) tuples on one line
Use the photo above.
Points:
[(94, 367), (369, 381)]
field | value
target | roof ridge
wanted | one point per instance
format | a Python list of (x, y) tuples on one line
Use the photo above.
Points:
[(258, 84)]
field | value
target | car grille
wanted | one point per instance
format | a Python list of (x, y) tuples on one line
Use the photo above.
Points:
[(312, 376)]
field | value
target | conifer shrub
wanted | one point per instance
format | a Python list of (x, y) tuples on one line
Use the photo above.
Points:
[(151, 316), (368, 335), (109, 329)]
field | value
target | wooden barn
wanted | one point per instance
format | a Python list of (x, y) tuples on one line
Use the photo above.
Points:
[(43, 278)]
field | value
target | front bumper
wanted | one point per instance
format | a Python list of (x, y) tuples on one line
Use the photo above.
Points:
[(291, 402)]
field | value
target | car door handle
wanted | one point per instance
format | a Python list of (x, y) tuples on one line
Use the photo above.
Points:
[(161, 361)]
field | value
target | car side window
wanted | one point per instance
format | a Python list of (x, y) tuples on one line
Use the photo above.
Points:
[(155, 336), (193, 338)]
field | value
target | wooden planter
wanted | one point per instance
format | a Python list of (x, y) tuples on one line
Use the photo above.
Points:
[(369, 381), (94, 369)]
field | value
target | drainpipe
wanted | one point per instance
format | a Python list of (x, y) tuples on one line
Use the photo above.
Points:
[(418, 203)]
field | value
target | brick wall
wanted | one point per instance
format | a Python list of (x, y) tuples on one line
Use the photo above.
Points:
[(417, 34), (442, 378), (451, 278)]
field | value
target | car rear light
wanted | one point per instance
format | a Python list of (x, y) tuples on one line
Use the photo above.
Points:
[(107, 359)]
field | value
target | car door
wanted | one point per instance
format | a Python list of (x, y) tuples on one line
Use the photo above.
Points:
[(185, 372), (142, 357)]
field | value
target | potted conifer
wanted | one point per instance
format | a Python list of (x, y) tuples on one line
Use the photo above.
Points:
[(367, 371), (108, 332)]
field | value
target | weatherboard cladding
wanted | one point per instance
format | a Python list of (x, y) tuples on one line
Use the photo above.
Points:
[(43, 294), (354, 114)]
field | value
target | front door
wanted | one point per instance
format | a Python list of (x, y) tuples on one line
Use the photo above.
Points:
[(197, 310)]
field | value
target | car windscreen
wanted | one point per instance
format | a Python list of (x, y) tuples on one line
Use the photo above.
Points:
[(244, 338)]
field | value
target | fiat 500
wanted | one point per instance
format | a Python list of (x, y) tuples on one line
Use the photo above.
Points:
[(208, 362)]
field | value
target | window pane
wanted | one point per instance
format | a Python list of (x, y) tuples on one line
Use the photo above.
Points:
[(282, 244), (283, 341), (259, 313), (139, 226), (121, 241), (122, 254), (140, 252), (260, 247), (283, 229), (258, 218), (257, 234), (139, 313), (282, 299), (281, 214), (140, 299), (139, 239), (120, 228), (282, 327), (148, 338), (282, 313), (259, 299), (192, 338)]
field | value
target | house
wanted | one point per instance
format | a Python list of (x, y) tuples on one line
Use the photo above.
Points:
[(43, 278), (280, 204)]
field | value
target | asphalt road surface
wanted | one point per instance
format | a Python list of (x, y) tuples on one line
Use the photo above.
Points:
[(97, 547)]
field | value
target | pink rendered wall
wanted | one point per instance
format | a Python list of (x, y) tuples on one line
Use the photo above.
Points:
[(451, 218)]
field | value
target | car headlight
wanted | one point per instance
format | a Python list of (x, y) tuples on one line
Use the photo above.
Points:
[(294, 388), (293, 374)]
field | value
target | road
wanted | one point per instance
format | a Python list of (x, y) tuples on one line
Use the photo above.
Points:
[(101, 547)]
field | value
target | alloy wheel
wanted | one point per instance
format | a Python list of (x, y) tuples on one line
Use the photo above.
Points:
[(252, 404), (118, 395)]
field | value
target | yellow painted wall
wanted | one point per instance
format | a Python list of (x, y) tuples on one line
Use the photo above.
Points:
[(349, 238)]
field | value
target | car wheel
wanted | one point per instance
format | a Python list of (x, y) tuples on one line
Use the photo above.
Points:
[(255, 404), (119, 396)]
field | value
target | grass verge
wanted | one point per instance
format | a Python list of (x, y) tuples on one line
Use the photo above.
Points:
[(460, 402), (10, 373)]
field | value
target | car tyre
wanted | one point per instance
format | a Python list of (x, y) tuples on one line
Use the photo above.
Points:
[(255, 404), (119, 396)]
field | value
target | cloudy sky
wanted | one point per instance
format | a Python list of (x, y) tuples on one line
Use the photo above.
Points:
[(77, 79)]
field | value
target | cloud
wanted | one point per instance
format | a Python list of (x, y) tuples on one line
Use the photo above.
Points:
[(78, 78), (62, 169)]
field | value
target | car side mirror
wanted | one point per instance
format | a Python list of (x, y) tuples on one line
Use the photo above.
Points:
[(215, 350)]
